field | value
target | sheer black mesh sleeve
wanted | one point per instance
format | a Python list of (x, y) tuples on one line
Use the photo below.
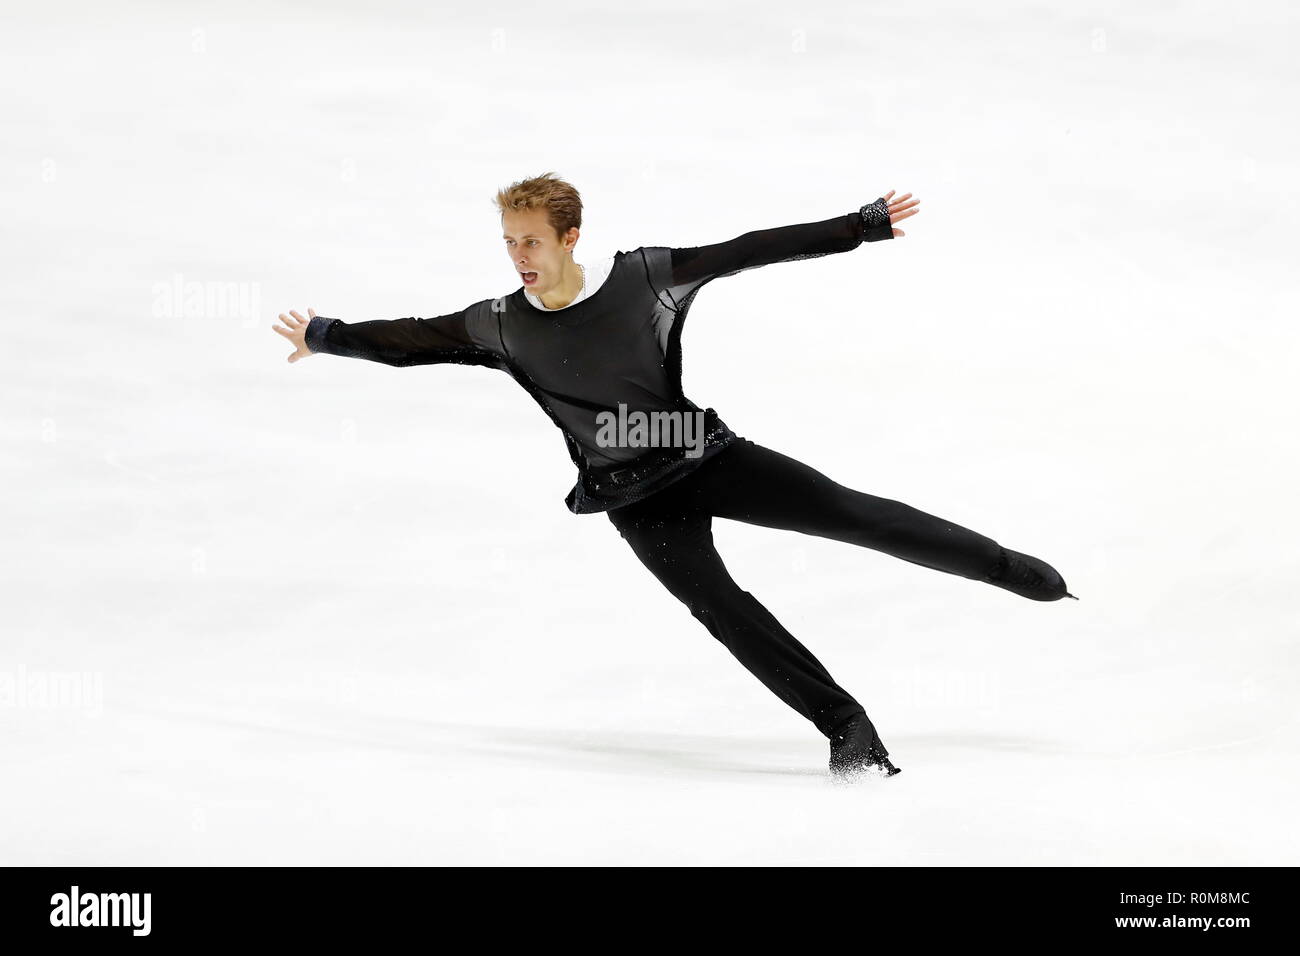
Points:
[(696, 265), (468, 337)]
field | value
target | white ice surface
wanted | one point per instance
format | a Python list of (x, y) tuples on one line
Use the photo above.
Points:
[(324, 613)]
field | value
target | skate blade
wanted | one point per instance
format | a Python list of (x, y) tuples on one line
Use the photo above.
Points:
[(863, 772)]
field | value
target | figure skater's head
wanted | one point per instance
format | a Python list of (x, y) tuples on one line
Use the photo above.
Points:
[(540, 222)]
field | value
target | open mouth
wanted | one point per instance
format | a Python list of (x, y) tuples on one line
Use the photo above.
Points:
[(530, 278)]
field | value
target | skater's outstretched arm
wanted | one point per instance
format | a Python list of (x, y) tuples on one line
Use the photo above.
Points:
[(465, 337), (696, 265)]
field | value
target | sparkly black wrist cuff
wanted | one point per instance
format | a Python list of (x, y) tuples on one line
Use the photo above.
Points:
[(316, 329), (875, 221)]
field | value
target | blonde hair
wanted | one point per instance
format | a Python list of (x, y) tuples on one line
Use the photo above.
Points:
[(561, 201)]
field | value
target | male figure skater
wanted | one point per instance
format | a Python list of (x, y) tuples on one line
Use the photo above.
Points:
[(598, 346)]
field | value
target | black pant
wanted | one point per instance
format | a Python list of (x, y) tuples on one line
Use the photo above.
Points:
[(671, 532)]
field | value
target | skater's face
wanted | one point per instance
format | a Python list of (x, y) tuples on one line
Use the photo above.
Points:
[(537, 254)]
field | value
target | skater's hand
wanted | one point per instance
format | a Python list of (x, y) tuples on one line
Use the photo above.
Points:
[(899, 209), (296, 332)]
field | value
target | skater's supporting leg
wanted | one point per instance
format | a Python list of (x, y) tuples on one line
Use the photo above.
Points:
[(677, 546), (750, 483)]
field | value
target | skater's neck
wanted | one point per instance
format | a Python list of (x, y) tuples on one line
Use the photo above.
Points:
[(566, 289)]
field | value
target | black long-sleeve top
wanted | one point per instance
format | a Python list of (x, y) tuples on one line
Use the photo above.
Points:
[(618, 351)]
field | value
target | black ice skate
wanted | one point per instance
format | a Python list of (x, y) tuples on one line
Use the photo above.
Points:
[(1029, 577), (856, 749)]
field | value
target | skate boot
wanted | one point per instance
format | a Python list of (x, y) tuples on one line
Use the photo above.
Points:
[(1029, 577), (856, 749)]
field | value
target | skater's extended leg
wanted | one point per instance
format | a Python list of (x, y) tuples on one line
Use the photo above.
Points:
[(677, 547), (750, 483)]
